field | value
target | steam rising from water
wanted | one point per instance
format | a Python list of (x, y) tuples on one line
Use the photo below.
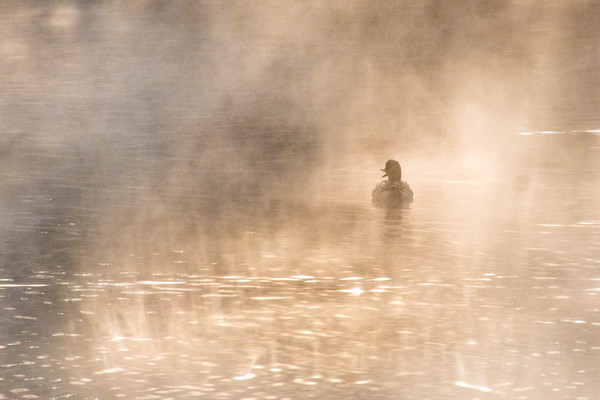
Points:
[(208, 164), (166, 103)]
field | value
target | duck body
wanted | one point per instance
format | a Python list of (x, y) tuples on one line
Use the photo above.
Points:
[(394, 192)]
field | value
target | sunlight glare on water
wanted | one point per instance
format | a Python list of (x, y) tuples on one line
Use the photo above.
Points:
[(486, 304), (185, 207)]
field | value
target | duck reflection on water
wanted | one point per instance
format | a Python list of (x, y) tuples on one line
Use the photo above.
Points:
[(393, 193)]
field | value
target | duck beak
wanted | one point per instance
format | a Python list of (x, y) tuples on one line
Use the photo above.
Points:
[(383, 170)]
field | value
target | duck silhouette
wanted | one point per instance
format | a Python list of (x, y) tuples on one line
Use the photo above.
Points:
[(393, 193)]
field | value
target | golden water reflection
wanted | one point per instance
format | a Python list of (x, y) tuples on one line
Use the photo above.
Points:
[(426, 302)]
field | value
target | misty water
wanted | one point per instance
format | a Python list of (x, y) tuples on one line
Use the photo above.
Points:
[(185, 208), (483, 288)]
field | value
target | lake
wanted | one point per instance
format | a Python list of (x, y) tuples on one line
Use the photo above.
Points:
[(185, 210), (485, 287)]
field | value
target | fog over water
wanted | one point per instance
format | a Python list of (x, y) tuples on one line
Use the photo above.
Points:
[(185, 210)]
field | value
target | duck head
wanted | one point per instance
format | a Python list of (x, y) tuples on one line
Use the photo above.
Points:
[(392, 170)]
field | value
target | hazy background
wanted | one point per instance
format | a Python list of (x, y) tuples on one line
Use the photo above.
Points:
[(243, 138), (133, 108)]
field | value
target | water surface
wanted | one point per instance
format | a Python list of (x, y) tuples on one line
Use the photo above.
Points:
[(485, 287), (184, 200)]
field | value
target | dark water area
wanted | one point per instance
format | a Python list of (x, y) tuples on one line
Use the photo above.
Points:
[(185, 212)]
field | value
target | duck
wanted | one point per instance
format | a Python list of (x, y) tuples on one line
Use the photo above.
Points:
[(393, 192)]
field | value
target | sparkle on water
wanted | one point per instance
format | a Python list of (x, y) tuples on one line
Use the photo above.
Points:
[(185, 212)]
